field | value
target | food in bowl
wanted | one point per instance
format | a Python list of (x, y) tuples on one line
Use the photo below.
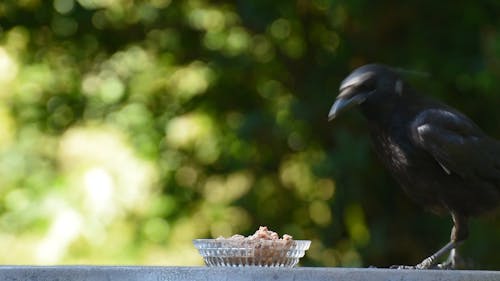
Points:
[(264, 248)]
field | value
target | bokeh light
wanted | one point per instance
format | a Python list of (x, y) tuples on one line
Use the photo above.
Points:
[(129, 128)]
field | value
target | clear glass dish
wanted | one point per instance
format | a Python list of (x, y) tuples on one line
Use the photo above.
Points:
[(263, 253)]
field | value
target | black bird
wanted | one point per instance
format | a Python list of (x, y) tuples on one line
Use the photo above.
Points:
[(438, 155)]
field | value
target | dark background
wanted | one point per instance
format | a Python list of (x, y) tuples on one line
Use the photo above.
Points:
[(220, 108)]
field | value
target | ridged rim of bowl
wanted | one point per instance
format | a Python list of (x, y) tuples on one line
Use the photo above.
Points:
[(260, 252), (228, 243)]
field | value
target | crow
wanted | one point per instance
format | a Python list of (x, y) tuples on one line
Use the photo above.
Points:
[(439, 156)]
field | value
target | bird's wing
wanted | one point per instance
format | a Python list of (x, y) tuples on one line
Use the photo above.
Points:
[(456, 143)]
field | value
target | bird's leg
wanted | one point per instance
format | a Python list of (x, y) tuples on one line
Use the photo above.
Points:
[(431, 261), (459, 232), (452, 262)]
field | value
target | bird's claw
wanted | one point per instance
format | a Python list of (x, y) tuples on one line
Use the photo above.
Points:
[(429, 263), (445, 265), (454, 261), (425, 264), (402, 267)]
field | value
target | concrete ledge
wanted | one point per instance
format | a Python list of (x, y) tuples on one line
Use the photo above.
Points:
[(147, 273)]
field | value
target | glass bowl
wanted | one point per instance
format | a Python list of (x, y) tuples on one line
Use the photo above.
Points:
[(263, 253)]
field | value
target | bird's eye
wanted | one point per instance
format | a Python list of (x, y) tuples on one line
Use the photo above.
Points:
[(368, 85)]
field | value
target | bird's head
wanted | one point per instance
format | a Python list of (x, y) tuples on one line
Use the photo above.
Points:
[(365, 83)]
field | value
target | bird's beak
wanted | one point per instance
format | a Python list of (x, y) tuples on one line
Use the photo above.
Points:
[(345, 101)]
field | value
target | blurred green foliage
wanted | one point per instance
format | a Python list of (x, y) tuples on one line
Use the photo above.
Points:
[(129, 128)]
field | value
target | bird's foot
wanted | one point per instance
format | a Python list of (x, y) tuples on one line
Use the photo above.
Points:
[(425, 264), (402, 267), (452, 262)]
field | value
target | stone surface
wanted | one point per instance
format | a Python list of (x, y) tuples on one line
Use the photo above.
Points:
[(150, 273)]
